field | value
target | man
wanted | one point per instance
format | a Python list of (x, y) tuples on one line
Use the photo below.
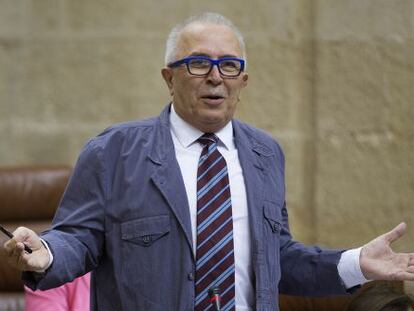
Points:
[(170, 210)]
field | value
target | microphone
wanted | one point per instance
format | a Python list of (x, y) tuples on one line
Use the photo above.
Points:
[(214, 293)]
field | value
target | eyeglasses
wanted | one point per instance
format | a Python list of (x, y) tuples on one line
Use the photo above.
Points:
[(201, 66)]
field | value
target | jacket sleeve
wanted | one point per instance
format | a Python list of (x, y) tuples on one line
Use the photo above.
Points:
[(307, 270), (76, 238)]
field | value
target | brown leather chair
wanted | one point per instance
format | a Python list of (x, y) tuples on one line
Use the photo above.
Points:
[(334, 303), (29, 196)]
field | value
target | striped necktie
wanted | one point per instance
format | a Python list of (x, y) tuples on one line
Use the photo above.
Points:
[(215, 249)]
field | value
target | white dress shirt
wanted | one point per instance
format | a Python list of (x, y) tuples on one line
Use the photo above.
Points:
[(188, 151)]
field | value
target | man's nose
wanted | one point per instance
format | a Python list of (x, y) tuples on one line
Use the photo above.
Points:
[(214, 76)]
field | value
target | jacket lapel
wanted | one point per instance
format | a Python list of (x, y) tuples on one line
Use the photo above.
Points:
[(167, 175), (252, 160)]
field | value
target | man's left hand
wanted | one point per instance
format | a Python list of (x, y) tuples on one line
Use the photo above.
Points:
[(379, 262)]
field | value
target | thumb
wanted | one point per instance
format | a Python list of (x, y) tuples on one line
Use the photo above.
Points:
[(27, 236), (395, 233)]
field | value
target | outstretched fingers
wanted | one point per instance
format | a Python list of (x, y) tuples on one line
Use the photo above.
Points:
[(404, 276), (411, 260)]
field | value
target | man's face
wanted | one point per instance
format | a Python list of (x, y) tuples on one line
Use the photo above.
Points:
[(208, 102)]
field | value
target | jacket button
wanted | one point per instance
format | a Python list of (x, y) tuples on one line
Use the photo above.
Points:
[(190, 276), (147, 239), (275, 227)]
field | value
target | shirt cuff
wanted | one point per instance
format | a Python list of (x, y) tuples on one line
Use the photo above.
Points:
[(349, 268), (50, 257)]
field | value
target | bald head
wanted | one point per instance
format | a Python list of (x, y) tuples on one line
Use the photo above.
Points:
[(206, 39), (195, 22)]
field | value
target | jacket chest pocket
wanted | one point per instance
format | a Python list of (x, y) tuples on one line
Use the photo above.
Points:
[(273, 215), (145, 231), (272, 218), (146, 248)]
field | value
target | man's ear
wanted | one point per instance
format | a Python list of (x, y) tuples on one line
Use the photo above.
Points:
[(167, 74), (245, 77)]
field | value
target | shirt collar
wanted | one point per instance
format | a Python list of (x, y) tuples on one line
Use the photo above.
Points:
[(187, 134)]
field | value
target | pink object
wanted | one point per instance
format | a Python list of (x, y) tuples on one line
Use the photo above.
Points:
[(73, 296)]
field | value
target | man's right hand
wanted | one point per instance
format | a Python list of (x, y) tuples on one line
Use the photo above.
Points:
[(37, 261)]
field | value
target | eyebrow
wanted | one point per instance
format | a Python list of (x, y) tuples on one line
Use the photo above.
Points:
[(206, 55)]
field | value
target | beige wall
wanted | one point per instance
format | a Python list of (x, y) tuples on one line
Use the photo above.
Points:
[(364, 107), (331, 79)]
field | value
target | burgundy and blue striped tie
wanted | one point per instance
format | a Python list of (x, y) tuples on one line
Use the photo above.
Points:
[(215, 249)]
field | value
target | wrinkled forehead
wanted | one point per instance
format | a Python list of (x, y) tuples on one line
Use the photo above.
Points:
[(208, 39)]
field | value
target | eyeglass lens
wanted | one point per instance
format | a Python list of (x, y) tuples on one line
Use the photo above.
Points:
[(229, 68)]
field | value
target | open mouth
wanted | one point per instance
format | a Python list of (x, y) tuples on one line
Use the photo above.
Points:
[(212, 100), (213, 97)]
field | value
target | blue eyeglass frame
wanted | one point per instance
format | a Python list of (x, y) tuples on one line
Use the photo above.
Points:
[(214, 62)]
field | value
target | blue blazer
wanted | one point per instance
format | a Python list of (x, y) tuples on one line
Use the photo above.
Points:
[(125, 216)]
